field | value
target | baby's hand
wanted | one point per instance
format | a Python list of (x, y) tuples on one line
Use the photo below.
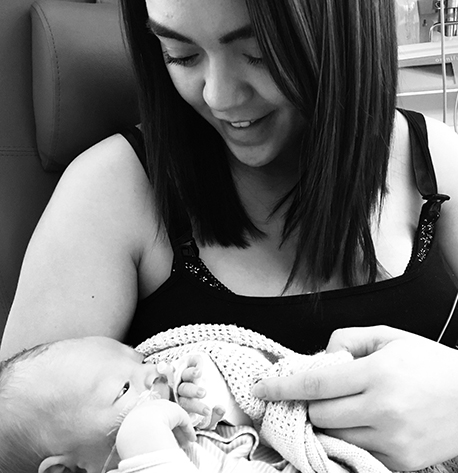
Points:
[(154, 425), (190, 392)]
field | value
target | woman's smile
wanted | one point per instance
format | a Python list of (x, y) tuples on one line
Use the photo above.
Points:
[(247, 132)]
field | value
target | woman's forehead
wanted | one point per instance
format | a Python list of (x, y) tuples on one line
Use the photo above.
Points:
[(194, 18)]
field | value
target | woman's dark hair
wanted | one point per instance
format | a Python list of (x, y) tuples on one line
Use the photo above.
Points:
[(336, 61)]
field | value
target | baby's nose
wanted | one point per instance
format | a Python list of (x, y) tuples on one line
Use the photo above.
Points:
[(156, 372), (150, 377)]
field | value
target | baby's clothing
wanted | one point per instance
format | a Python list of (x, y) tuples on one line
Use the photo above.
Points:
[(419, 301), (162, 461), (228, 449)]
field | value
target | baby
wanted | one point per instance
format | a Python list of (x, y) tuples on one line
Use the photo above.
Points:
[(65, 405)]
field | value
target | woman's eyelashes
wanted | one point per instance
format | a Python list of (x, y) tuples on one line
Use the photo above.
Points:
[(254, 61), (189, 61), (185, 61)]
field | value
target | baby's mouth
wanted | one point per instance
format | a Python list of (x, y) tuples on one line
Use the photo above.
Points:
[(147, 395), (160, 379), (162, 388)]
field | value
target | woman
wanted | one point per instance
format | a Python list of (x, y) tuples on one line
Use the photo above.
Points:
[(283, 183)]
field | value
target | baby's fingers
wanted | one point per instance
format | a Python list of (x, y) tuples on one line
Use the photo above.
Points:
[(194, 406), (190, 390), (211, 419), (191, 374), (195, 363), (217, 414)]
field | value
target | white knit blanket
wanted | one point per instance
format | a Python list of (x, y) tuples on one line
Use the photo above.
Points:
[(244, 357)]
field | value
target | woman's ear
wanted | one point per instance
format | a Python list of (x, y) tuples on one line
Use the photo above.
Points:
[(58, 464)]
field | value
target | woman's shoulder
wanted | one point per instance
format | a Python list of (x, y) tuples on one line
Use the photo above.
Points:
[(110, 175), (443, 145), (108, 160), (403, 203), (106, 187), (443, 148)]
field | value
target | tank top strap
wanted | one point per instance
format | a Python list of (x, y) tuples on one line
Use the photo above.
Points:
[(425, 177), (135, 138), (180, 231)]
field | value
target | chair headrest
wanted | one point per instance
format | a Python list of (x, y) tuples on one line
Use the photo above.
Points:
[(83, 83)]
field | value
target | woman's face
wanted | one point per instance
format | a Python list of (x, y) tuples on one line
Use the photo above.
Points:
[(216, 65)]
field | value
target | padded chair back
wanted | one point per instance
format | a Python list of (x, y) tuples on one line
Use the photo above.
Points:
[(83, 86), (79, 91)]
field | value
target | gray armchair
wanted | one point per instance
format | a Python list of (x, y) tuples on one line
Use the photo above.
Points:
[(65, 84)]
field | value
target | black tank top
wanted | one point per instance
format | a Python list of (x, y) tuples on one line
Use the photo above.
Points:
[(420, 300)]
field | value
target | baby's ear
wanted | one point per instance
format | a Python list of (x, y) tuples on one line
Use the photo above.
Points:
[(57, 464)]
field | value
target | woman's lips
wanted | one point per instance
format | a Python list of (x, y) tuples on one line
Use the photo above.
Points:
[(248, 132), (242, 123)]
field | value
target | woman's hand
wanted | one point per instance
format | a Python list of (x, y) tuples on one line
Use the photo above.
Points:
[(398, 399), (190, 392), (154, 425)]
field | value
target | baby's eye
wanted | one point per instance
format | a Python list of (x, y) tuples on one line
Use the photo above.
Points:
[(124, 389)]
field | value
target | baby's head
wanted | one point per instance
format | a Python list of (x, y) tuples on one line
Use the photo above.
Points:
[(60, 403)]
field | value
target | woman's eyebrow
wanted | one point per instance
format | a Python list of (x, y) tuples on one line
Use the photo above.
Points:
[(165, 32), (245, 32)]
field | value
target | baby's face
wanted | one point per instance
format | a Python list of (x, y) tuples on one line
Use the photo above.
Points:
[(100, 379)]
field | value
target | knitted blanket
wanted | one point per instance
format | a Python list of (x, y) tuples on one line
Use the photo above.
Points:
[(245, 357)]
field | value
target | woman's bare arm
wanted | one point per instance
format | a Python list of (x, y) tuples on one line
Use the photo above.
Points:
[(80, 272)]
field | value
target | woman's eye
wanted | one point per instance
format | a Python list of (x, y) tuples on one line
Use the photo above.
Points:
[(185, 61), (254, 61), (124, 389)]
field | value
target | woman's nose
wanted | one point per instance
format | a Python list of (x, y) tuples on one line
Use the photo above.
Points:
[(225, 88)]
